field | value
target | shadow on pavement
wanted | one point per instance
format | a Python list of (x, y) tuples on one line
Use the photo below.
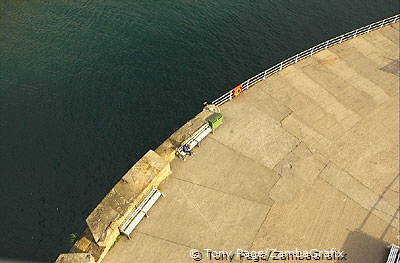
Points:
[(363, 248)]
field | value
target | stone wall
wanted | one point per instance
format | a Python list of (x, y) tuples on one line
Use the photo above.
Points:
[(76, 257), (150, 171)]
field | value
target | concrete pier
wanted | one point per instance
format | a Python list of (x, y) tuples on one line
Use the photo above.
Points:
[(307, 159)]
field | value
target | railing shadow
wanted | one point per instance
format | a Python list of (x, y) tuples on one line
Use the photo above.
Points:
[(363, 248)]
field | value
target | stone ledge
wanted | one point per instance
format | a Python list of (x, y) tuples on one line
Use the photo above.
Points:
[(75, 258), (168, 148), (86, 244), (104, 221), (127, 193)]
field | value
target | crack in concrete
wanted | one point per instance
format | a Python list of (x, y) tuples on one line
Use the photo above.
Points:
[(372, 208), (163, 239), (217, 190), (259, 228)]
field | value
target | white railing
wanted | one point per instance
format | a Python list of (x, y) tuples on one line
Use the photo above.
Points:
[(309, 52)]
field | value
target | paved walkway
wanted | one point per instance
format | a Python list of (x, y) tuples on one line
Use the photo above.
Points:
[(308, 158)]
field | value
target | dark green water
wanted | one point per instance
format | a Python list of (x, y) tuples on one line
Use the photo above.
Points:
[(87, 87)]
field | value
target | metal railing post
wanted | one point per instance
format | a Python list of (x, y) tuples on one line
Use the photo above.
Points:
[(280, 67), (265, 74), (297, 58), (341, 39), (369, 28), (355, 34)]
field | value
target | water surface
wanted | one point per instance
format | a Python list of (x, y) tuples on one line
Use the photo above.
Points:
[(87, 87)]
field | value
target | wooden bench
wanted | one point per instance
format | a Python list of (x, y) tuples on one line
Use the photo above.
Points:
[(194, 140), (137, 215)]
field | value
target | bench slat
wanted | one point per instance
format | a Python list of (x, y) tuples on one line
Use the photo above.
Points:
[(201, 136), (134, 219), (151, 202), (195, 139), (148, 197), (132, 225), (130, 219)]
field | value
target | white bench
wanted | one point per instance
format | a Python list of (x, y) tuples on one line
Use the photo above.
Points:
[(394, 254), (137, 215), (194, 140)]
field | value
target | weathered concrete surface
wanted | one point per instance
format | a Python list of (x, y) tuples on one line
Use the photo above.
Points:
[(142, 245), (307, 159), (241, 179)]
